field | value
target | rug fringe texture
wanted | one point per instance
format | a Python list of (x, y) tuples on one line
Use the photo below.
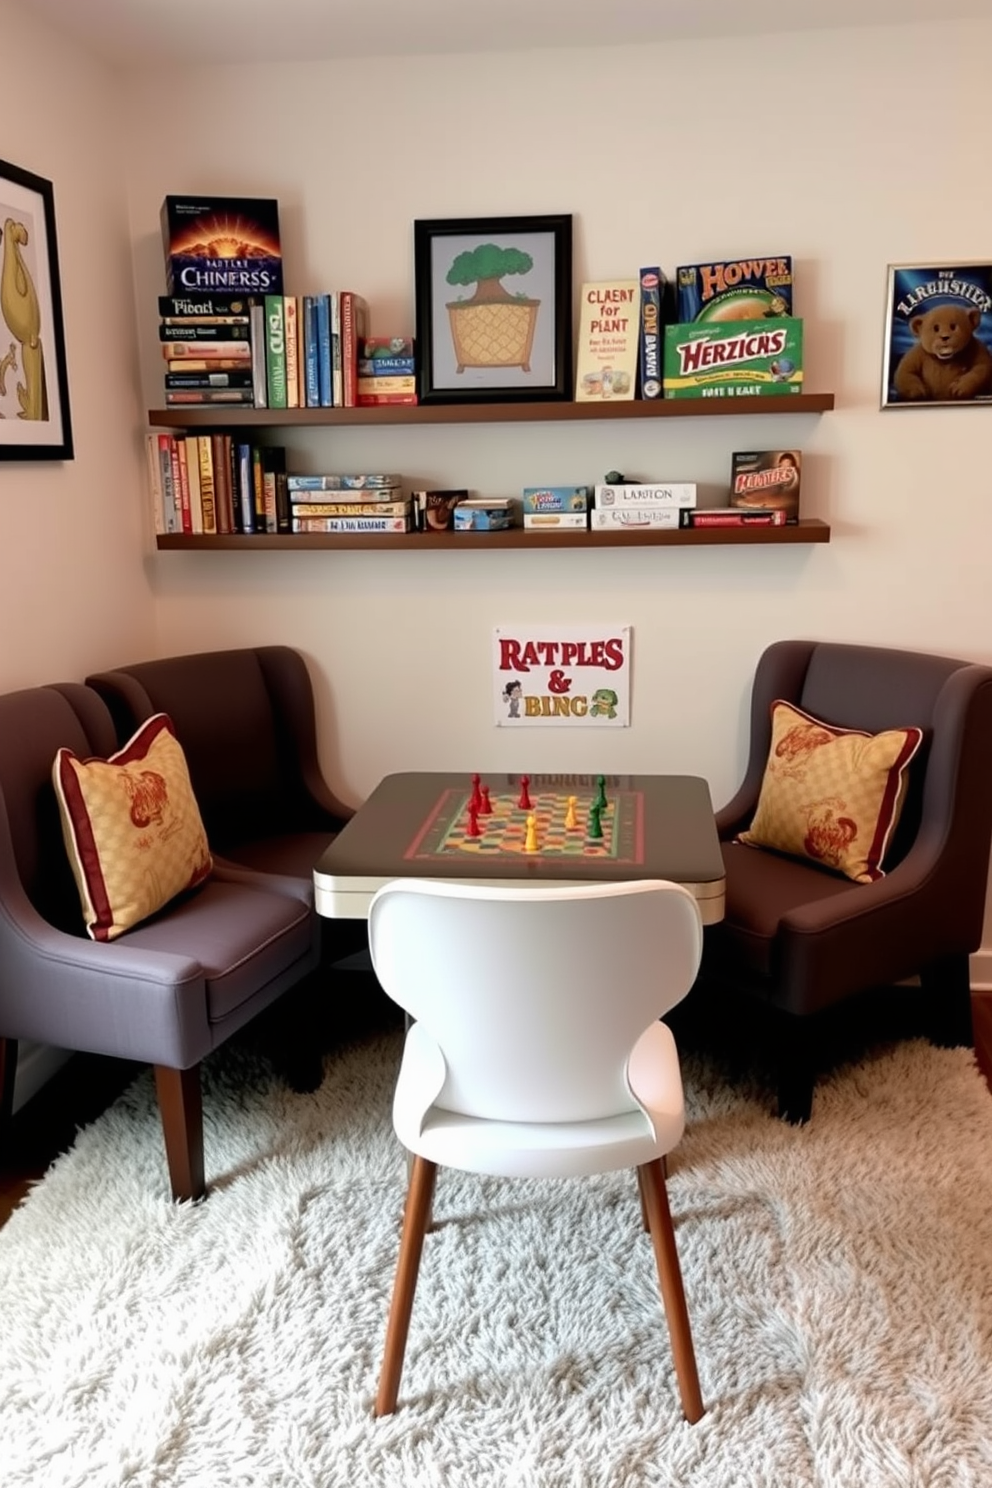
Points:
[(838, 1276)]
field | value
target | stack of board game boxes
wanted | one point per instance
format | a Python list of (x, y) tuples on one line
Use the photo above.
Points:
[(735, 335), (719, 330), (366, 503), (223, 257)]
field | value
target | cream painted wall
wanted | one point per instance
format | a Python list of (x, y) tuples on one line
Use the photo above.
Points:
[(73, 585), (798, 143)]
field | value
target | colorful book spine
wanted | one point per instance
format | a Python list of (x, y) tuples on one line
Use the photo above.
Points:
[(337, 384), (194, 380), (156, 482), (242, 397), (178, 351), (311, 370), (205, 320), (351, 524), (222, 482), (400, 508), (354, 329), (246, 487), (343, 482), (191, 366), (259, 378), (324, 352), (199, 330), (200, 305), (208, 498), (170, 493), (275, 350), (650, 344), (189, 476), (291, 313), (180, 486)]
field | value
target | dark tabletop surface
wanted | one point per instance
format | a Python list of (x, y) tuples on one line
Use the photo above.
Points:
[(679, 834)]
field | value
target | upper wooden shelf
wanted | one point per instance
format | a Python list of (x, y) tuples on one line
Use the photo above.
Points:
[(221, 417), (807, 530)]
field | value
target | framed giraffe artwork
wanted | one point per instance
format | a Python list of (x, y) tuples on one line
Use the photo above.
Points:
[(34, 389)]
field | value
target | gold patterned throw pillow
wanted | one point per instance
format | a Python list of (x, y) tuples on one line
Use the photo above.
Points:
[(830, 794), (132, 828)]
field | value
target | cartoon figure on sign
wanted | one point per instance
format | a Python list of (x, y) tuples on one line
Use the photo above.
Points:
[(604, 703), (512, 693)]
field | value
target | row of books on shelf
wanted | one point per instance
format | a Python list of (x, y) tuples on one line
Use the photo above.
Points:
[(214, 484), (281, 351)]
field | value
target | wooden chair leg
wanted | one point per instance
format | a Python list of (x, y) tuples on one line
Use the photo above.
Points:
[(416, 1216), (655, 1194), (180, 1103), (640, 1189)]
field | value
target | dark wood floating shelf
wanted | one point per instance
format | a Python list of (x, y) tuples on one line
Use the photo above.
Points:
[(485, 413), (807, 530)]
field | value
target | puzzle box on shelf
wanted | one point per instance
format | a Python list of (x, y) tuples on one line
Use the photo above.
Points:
[(223, 245), (713, 359), (735, 289), (768, 479)]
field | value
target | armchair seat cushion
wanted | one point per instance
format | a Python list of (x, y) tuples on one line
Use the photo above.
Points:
[(241, 934), (762, 886), (292, 854)]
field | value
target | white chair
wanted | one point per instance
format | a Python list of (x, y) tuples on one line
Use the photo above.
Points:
[(536, 1051)]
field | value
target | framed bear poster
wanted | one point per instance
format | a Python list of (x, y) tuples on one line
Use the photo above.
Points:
[(938, 336)]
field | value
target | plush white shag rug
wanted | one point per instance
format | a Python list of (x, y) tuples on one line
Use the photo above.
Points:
[(839, 1281)]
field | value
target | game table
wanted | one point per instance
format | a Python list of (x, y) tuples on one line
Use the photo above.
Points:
[(417, 824)]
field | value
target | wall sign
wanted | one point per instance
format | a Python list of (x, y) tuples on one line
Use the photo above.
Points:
[(561, 676)]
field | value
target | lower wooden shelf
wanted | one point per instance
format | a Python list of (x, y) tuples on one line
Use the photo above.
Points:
[(807, 530)]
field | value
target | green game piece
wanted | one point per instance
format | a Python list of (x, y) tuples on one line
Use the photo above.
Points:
[(594, 830), (601, 802)]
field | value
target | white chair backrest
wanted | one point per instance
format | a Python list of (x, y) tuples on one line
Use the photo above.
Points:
[(535, 996)]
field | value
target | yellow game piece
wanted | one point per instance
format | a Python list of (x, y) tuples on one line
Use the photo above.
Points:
[(571, 820), (530, 841)]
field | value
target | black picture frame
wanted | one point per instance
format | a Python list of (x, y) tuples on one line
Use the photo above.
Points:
[(469, 348), (34, 388), (938, 335)]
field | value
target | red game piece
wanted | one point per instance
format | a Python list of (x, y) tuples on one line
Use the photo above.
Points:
[(525, 803), (473, 829), (475, 799), (486, 809)]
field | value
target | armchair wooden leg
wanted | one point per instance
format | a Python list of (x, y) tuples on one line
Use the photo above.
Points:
[(655, 1195), (8, 1073), (796, 1070), (947, 985), (416, 1216), (180, 1103)]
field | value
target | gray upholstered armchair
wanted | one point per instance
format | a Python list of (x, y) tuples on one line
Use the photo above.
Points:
[(169, 990), (245, 719), (803, 939)]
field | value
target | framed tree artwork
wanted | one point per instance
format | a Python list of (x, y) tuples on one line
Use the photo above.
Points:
[(34, 391), (494, 309)]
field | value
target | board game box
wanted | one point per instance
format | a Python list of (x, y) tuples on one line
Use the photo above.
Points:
[(767, 479), (228, 245), (708, 359), (735, 289)]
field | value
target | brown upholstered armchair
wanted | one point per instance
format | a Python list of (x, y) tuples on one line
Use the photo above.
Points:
[(801, 938), (171, 989)]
